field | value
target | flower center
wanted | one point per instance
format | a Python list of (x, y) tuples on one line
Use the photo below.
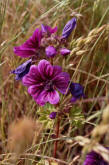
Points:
[(49, 85)]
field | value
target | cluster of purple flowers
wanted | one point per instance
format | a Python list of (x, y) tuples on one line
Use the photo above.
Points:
[(45, 80)]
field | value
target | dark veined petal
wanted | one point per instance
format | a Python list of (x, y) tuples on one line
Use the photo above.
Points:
[(29, 48), (34, 73), (69, 27), (28, 81), (53, 97), (44, 96), (33, 76), (33, 89), (56, 70), (45, 69), (24, 52), (62, 81), (36, 37), (41, 98)]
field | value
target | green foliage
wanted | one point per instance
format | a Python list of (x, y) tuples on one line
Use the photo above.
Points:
[(43, 113), (76, 116)]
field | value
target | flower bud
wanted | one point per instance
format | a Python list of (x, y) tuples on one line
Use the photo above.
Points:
[(52, 115), (22, 70), (64, 51), (50, 51), (69, 27), (77, 91)]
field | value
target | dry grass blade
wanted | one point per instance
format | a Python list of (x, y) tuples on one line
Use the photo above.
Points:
[(3, 5)]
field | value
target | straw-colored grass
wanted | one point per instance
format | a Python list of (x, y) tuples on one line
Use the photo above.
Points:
[(88, 64)]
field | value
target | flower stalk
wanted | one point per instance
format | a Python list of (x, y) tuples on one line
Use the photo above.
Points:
[(57, 135)]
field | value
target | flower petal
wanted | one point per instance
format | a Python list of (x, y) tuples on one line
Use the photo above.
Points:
[(42, 98), (24, 51), (33, 89), (28, 81), (36, 37), (53, 97), (56, 70), (52, 30), (34, 73), (62, 81), (48, 29), (45, 69), (30, 47)]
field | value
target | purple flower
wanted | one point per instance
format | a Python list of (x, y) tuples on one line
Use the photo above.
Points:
[(30, 47), (64, 51), (43, 80), (48, 29), (69, 28), (77, 91), (22, 70), (94, 158), (52, 115), (50, 51)]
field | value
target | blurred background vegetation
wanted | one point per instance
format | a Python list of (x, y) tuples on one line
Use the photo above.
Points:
[(88, 64)]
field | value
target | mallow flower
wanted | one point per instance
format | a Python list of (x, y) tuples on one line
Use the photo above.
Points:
[(94, 158), (32, 46), (44, 80), (69, 27), (77, 91), (22, 70)]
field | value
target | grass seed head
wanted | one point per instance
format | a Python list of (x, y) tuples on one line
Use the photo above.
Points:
[(21, 134)]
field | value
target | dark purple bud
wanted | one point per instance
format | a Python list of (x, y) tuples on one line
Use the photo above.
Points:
[(53, 136), (94, 158), (69, 27), (64, 51), (77, 91), (22, 70), (50, 51), (52, 115)]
